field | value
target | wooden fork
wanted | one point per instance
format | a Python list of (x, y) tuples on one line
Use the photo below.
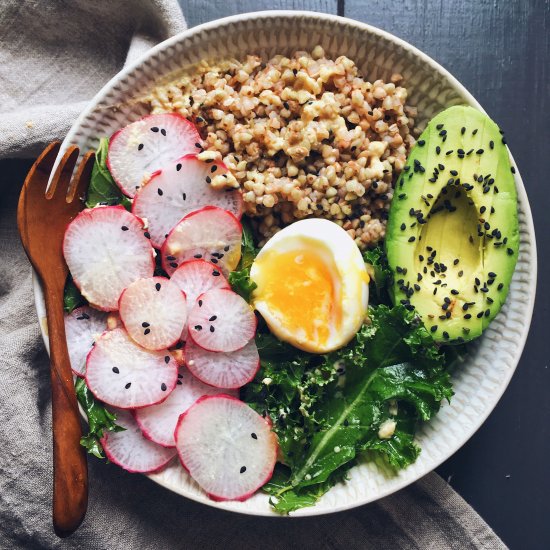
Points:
[(42, 218)]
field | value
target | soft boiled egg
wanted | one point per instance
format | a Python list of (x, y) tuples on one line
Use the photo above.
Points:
[(312, 285)]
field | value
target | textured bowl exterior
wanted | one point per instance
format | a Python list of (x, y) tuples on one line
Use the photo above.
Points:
[(481, 380)]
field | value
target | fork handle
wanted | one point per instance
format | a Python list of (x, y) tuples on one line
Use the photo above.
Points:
[(70, 471)]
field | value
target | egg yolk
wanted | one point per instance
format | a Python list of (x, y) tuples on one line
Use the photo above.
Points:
[(300, 290)]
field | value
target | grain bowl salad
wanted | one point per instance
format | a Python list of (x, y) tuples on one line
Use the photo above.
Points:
[(272, 278)]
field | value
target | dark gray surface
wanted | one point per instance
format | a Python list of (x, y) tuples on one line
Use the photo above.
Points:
[(500, 51)]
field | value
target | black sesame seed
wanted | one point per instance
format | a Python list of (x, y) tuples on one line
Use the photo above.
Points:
[(115, 370), (127, 386), (157, 286)]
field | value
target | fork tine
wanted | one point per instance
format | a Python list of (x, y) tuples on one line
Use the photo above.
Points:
[(63, 172), (46, 160), (82, 177)]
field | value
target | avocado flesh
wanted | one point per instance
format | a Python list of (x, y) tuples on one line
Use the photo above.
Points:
[(452, 238)]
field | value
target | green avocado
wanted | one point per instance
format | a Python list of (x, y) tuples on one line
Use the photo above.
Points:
[(452, 237)]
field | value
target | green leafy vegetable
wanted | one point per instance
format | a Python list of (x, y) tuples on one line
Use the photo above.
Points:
[(328, 409), (100, 420), (240, 278), (381, 275), (71, 296), (103, 189)]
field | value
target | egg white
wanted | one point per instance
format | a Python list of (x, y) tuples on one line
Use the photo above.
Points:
[(339, 253)]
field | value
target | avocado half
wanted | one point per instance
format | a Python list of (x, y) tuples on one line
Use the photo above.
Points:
[(452, 237)]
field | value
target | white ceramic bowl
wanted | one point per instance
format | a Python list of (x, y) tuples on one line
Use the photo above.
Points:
[(481, 380)]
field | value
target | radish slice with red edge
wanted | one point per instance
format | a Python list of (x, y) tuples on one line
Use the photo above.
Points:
[(82, 328), (127, 376), (158, 422), (154, 312), (226, 447), (106, 251), (146, 145), (233, 369), (221, 320), (210, 234), (131, 450), (179, 188)]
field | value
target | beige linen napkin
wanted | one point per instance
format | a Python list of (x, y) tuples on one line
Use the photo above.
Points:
[(54, 55)]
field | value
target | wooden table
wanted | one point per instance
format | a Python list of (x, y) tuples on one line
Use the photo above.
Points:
[(500, 51)]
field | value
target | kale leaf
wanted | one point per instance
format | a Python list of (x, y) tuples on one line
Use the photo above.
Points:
[(380, 274), (327, 409), (100, 420), (240, 278), (102, 189), (71, 296)]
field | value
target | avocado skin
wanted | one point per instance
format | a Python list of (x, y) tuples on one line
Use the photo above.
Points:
[(474, 239)]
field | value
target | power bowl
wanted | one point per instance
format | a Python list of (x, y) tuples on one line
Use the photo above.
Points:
[(481, 380)]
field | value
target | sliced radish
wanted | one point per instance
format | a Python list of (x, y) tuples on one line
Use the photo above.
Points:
[(228, 448), (223, 370), (221, 321), (83, 326), (130, 450), (106, 251), (178, 189), (210, 234), (158, 422), (154, 312), (125, 375), (195, 277), (145, 146)]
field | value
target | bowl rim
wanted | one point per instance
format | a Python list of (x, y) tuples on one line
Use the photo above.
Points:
[(469, 99)]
